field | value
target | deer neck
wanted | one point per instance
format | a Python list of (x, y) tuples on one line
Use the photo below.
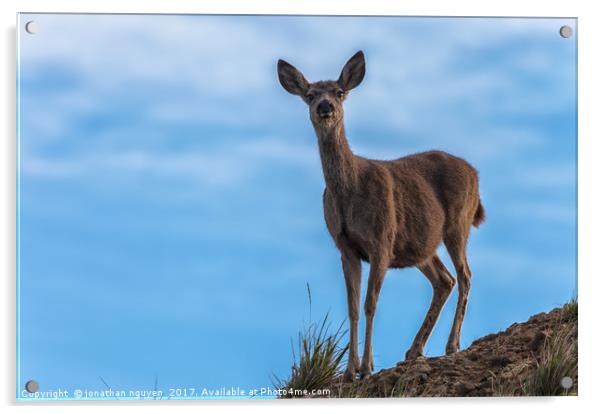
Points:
[(338, 162)]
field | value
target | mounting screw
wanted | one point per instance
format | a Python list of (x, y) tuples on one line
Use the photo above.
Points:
[(566, 383), (32, 386), (31, 27), (566, 31)]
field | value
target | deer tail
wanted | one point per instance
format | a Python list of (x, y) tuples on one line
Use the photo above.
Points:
[(479, 215)]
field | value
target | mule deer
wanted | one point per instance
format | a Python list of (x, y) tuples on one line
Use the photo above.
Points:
[(392, 214)]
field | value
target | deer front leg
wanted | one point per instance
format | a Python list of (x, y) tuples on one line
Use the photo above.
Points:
[(352, 268), (378, 268)]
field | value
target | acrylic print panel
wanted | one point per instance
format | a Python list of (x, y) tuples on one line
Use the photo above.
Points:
[(173, 242)]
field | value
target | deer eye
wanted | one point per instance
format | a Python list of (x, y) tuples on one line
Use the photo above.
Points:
[(340, 93), (310, 97)]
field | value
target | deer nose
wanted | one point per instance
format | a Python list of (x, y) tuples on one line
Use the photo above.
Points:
[(324, 108)]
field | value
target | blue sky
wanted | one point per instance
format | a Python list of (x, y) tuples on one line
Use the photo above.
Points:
[(170, 189)]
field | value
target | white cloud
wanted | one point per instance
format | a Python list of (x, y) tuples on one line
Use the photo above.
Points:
[(216, 70), (234, 57), (514, 265), (541, 211), (222, 167), (553, 176)]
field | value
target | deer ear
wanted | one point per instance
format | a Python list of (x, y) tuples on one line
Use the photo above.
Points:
[(291, 79), (353, 72)]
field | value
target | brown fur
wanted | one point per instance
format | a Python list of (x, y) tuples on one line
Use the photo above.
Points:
[(392, 214)]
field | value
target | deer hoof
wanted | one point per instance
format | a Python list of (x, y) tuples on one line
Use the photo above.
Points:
[(451, 350), (349, 376), (366, 369), (413, 354), (365, 374)]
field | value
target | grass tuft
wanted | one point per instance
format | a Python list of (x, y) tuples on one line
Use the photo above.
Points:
[(558, 360), (570, 311), (319, 363)]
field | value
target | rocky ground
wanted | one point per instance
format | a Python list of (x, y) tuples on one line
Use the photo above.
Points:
[(517, 361)]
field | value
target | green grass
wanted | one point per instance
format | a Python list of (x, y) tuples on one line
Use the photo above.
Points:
[(570, 311), (558, 359), (318, 361)]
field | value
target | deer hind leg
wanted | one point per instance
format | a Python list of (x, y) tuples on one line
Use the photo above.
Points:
[(455, 242), (352, 268), (443, 283), (378, 268)]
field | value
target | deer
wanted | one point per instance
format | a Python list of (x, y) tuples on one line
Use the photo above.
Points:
[(389, 213)]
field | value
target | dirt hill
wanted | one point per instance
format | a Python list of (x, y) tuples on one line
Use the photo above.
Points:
[(529, 358)]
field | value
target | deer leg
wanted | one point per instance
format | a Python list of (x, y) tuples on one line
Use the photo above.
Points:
[(352, 268), (442, 283), (378, 268), (456, 246)]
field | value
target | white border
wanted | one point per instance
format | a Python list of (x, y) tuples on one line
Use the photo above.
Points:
[(590, 113)]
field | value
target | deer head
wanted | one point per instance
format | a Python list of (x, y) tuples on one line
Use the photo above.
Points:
[(324, 98)]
